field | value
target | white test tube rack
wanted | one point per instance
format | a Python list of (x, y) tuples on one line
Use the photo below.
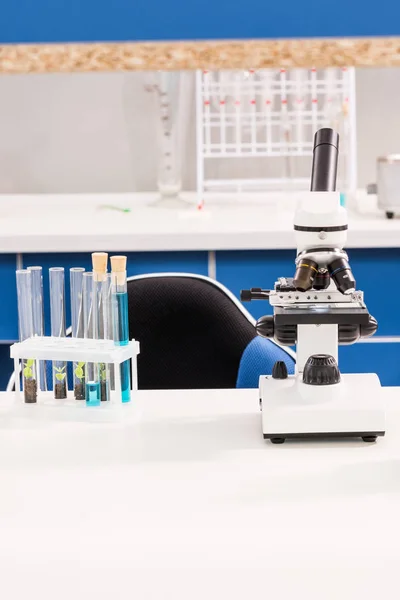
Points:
[(76, 350), (245, 117)]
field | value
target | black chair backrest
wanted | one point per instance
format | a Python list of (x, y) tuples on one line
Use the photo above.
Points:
[(191, 333)]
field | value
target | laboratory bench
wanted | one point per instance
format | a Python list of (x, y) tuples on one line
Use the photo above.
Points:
[(177, 495), (242, 245)]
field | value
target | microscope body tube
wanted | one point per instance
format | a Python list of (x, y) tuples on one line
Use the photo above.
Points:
[(25, 325), (38, 317), (57, 319), (76, 287), (320, 221), (325, 161)]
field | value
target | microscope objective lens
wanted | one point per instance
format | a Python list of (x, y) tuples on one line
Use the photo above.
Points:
[(306, 272), (341, 274)]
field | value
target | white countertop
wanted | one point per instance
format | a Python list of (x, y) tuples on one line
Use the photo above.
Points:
[(177, 496), (77, 223)]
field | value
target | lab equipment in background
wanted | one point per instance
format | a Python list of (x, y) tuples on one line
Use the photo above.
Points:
[(120, 318), (171, 91), (272, 114), (38, 317), (99, 264), (25, 326), (317, 310), (76, 288), (92, 387), (57, 319)]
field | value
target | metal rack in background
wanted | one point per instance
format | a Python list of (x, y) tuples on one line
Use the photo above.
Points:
[(273, 114)]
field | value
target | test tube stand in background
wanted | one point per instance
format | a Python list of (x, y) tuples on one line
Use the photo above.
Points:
[(281, 110)]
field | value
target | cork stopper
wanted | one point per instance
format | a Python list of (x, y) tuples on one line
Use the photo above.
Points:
[(118, 263), (99, 262), (118, 267)]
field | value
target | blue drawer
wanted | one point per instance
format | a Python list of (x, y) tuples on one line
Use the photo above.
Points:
[(377, 274), (245, 269), (380, 358), (8, 299)]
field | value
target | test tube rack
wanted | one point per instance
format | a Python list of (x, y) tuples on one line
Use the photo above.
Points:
[(76, 350), (272, 113)]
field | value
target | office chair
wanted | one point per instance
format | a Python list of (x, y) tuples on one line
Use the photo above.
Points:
[(194, 333)]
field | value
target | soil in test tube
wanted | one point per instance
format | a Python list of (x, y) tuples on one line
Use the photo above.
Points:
[(30, 391), (30, 384), (60, 390)]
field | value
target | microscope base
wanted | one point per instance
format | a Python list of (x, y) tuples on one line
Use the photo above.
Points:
[(351, 408)]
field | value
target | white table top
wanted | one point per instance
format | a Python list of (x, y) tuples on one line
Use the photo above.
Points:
[(81, 223), (177, 496)]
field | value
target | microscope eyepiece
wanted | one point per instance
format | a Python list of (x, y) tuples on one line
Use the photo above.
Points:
[(325, 160), (341, 274), (306, 271)]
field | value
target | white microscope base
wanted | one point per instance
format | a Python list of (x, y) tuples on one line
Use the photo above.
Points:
[(351, 408)]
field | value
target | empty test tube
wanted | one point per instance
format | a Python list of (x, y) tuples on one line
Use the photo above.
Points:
[(25, 323), (108, 321), (92, 381), (76, 287), (38, 317), (120, 318), (99, 262), (57, 316)]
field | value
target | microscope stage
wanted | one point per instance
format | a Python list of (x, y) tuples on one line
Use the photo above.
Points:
[(293, 409)]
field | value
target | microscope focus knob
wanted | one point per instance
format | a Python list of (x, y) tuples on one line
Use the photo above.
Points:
[(265, 326), (321, 369), (279, 370)]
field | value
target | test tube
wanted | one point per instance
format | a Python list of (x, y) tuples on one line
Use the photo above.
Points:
[(25, 323), (38, 317), (99, 261), (108, 321), (92, 381), (57, 317), (76, 285), (120, 318)]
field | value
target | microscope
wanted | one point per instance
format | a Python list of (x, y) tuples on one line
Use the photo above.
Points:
[(316, 310)]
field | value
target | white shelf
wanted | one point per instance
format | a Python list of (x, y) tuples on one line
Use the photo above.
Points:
[(75, 223)]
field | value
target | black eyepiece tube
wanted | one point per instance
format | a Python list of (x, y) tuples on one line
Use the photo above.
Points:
[(325, 160)]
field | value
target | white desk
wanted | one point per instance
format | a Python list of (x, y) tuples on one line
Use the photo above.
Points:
[(181, 498)]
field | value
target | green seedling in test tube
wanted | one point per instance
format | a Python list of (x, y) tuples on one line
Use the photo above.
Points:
[(28, 368), (60, 374)]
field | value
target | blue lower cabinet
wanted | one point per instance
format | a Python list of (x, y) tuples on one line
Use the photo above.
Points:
[(380, 358), (245, 269), (373, 267), (7, 365), (138, 263), (8, 299)]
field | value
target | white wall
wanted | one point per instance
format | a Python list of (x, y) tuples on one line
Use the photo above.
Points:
[(95, 132)]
